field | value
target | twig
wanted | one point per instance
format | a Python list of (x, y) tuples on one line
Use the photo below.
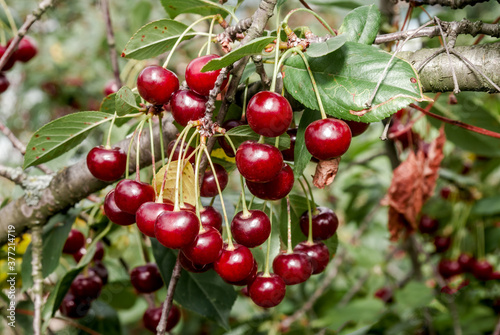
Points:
[(111, 42), (214, 92), (454, 4), (475, 68), (167, 305), (384, 137), (456, 89), (259, 67), (16, 175), (36, 264)]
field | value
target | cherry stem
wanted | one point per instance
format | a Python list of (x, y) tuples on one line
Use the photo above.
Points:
[(178, 175), (3, 37), (12, 23), (245, 97), (289, 249), (266, 271), (246, 213), (262, 139), (185, 161), (320, 19), (313, 206), (143, 252), (461, 217), (212, 201), (210, 32), (128, 153), (228, 229), (150, 121), (309, 235), (197, 183), (251, 202), (277, 52), (108, 141), (137, 152), (162, 146)]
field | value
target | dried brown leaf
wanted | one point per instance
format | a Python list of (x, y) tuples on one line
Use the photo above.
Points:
[(326, 172), (433, 162)]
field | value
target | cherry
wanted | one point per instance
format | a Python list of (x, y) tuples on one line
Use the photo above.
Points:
[(98, 269), (146, 278), (209, 216), (251, 229), (114, 213), (205, 248), (147, 214), (248, 279), (466, 262), (276, 188), (317, 252), (10, 63), (209, 185), (235, 264), (175, 156), (428, 225), (86, 287), (4, 83), (294, 268), (357, 128), (445, 192), (324, 223), (327, 138), (111, 87), (74, 308), (495, 275), (107, 164), (26, 49), (152, 316), (156, 84), (449, 268), (267, 291), (186, 106), (74, 242), (269, 114), (227, 125), (190, 266), (177, 230), (384, 294), (482, 269), (258, 162), (404, 138), (288, 154), (442, 243), (202, 82), (131, 194)]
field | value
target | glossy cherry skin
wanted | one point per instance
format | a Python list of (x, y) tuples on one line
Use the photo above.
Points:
[(428, 225), (4, 83), (175, 156), (229, 124), (466, 262), (267, 291), (10, 63), (131, 194), (324, 223), (442, 243), (86, 287), (234, 265), (277, 188), (74, 242), (209, 185), (202, 82), (252, 229), (152, 316), (269, 114), (449, 268), (258, 162), (111, 87), (26, 49), (357, 128), (249, 279), (115, 214), (288, 154), (156, 84), (146, 278), (73, 307), (205, 248), (294, 268), (209, 216), (107, 164), (98, 269), (384, 294), (186, 106), (177, 230), (317, 252), (327, 138), (147, 214), (190, 266), (482, 270)]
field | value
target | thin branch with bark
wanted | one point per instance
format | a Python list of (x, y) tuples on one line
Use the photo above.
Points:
[(110, 36), (167, 305), (36, 273), (454, 4), (13, 174)]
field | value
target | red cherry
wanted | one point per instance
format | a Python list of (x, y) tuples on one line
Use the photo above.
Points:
[(147, 214), (4, 83), (187, 106), (115, 214), (86, 287), (190, 266), (152, 316), (324, 223), (26, 49), (202, 82), (131, 194), (107, 164), (275, 189), (288, 154), (74, 308), (252, 229), (146, 278), (99, 252), (466, 262), (404, 138), (175, 156), (229, 124), (269, 114), (248, 279), (156, 84), (267, 291), (99, 270), (294, 268), (428, 225), (177, 230), (449, 268), (258, 162), (111, 87), (445, 192), (209, 216), (384, 294), (10, 63), (235, 264), (205, 248), (442, 243), (74, 242), (317, 252), (357, 128), (482, 270), (209, 185), (327, 138)]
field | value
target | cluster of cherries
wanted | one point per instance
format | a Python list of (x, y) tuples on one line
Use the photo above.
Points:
[(26, 50)]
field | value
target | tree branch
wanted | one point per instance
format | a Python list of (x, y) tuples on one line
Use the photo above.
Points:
[(111, 42), (16, 175), (167, 305)]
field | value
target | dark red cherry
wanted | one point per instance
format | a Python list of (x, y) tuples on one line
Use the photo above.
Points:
[(111, 87), (209, 216), (98, 269), (235, 264), (152, 316), (190, 266), (26, 49), (384, 294), (107, 164), (294, 268), (4, 83), (482, 270), (229, 124), (357, 128), (86, 287), (324, 223), (267, 291), (445, 192), (449, 268), (205, 248), (442, 243), (466, 262), (406, 137), (317, 252), (202, 82), (209, 185), (327, 138), (115, 214), (131, 194), (249, 279), (74, 242), (277, 188), (258, 162), (74, 308), (175, 156), (177, 230), (269, 114), (428, 225), (251, 229), (187, 106), (99, 252), (156, 84), (288, 154), (147, 214), (10, 63), (146, 278)]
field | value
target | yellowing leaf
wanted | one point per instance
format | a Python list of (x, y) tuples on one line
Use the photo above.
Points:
[(219, 153), (188, 189)]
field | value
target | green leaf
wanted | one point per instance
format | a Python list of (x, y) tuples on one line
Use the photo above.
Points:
[(324, 48), (362, 24), (332, 244), (202, 7), (244, 133), (102, 318), (414, 295), (165, 258), (61, 135), (347, 78), (155, 38), (280, 3), (253, 47), (125, 102), (367, 310), (487, 206), (108, 104), (301, 154)]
